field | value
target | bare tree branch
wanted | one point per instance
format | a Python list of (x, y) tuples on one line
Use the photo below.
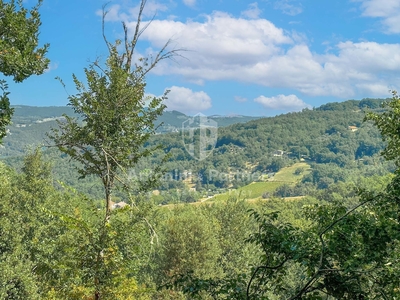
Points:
[(103, 27), (262, 268), (330, 226)]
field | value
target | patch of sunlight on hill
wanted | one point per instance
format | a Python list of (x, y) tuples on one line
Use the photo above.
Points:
[(288, 174)]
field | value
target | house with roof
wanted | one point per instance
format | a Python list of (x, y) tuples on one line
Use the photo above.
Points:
[(120, 204), (353, 128)]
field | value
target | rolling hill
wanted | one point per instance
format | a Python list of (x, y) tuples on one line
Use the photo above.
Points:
[(30, 124)]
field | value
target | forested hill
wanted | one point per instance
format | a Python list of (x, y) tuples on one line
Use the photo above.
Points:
[(332, 133), (334, 139)]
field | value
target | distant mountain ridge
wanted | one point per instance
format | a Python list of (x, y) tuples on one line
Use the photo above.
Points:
[(30, 124)]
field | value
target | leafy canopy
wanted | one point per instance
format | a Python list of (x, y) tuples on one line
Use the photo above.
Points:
[(20, 56), (389, 126)]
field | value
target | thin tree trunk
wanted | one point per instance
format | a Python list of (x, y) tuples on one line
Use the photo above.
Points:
[(108, 201)]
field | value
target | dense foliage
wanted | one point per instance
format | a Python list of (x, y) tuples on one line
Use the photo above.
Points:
[(20, 55), (339, 241)]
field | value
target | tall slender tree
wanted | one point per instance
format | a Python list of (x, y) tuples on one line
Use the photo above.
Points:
[(117, 118), (115, 121)]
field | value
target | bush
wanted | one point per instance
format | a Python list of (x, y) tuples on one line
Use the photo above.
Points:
[(299, 171)]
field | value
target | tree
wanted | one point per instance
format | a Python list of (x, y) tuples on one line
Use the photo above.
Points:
[(389, 126), (20, 55), (16, 278), (5, 110), (189, 244), (115, 121)]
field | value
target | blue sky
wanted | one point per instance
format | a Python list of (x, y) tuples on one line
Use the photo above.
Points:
[(253, 58)]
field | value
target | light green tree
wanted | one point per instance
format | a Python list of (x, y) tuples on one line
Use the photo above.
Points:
[(189, 244), (16, 278), (116, 119)]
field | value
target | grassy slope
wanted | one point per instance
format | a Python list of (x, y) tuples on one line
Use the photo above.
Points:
[(255, 190), (287, 174)]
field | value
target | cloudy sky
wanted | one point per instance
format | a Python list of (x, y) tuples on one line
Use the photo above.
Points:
[(241, 57)]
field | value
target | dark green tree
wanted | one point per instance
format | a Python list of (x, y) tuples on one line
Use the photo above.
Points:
[(6, 111), (389, 126), (20, 55)]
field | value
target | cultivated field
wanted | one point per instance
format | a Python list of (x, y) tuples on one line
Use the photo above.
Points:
[(255, 190)]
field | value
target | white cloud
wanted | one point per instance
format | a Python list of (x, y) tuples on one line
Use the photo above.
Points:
[(248, 54), (112, 13), (255, 51), (189, 3), (287, 8), (240, 99), (387, 10), (117, 13), (51, 67), (282, 102), (187, 101), (253, 12), (221, 43)]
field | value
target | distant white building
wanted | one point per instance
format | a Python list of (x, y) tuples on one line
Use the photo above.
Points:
[(353, 128), (120, 204), (279, 153)]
